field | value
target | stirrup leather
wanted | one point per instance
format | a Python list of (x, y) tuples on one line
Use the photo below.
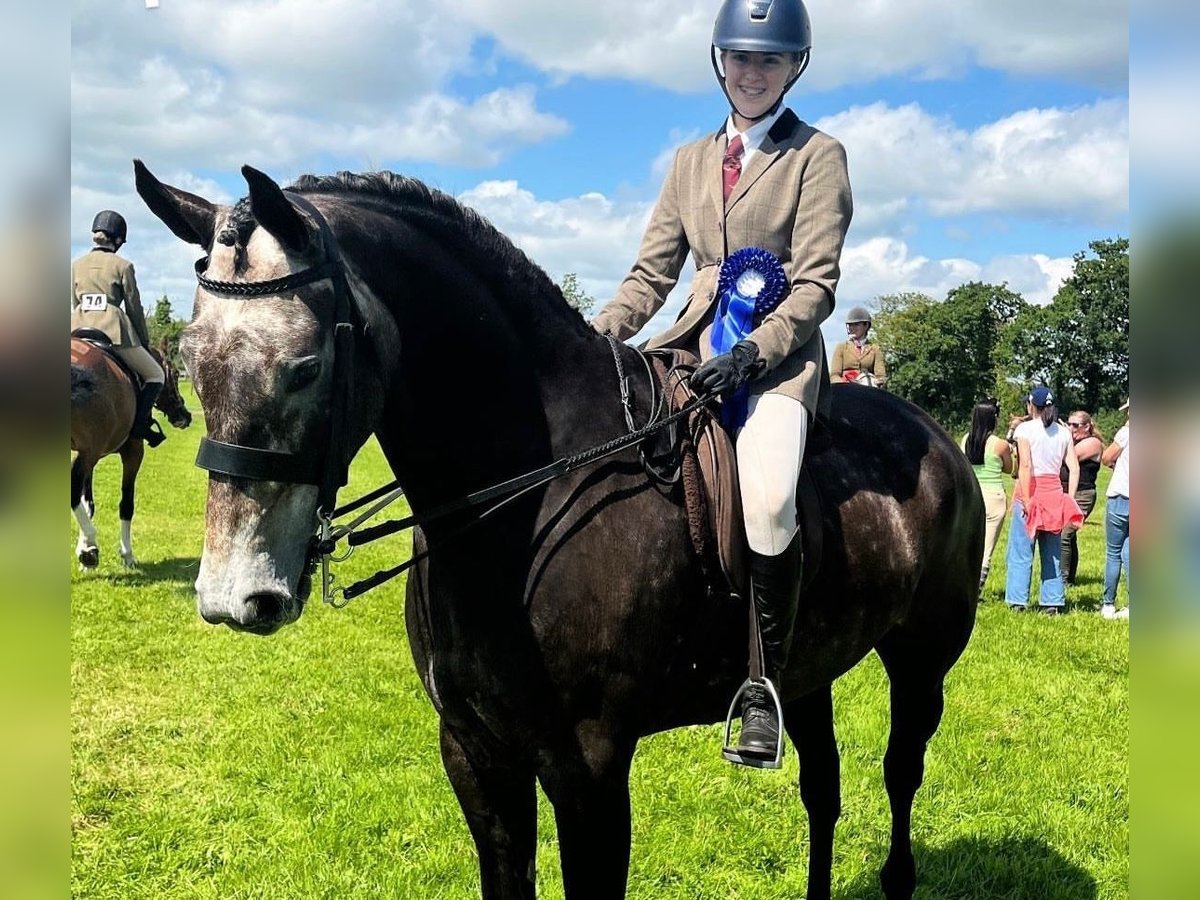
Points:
[(731, 752)]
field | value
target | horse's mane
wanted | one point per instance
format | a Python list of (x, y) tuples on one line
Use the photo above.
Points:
[(462, 229)]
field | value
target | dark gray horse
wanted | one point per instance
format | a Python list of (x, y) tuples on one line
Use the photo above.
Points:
[(576, 620)]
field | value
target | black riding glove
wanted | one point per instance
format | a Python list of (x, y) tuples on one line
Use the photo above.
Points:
[(726, 373)]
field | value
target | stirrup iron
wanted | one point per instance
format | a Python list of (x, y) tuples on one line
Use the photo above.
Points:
[(731, 752)]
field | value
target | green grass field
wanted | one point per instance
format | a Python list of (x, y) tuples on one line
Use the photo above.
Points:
[(216, 765)]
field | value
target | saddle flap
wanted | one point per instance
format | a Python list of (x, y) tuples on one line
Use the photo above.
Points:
[(710, 480)]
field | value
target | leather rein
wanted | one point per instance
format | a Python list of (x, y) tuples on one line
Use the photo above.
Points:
[(330, 474)]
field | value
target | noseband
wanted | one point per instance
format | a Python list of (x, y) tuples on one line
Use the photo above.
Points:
[(260, 464)]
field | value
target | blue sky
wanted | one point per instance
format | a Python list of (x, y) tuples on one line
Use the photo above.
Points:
[(985, 141)]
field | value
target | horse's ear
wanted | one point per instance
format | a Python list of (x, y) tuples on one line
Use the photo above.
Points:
[(275, 213), (191, 218)]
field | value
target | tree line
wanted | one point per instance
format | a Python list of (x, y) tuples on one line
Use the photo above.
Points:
[(985, 340)]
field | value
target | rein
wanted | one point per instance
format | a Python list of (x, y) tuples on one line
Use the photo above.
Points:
[(260, 464), (503, 492)]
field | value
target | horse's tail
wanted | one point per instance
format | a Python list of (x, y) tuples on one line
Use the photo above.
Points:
[(83, 384)]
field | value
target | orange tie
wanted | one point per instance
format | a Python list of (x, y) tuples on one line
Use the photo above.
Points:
[(731, 165)]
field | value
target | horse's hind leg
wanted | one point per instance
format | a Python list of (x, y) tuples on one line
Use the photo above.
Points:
[(132, 454), (916, 666), (499, 800), (86, 549), (809, 723), (89, 496)]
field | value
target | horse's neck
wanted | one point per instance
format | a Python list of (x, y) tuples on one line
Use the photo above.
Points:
[(487, 389)]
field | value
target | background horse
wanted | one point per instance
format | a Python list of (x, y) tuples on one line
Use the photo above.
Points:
[(103, 402), (556, 633)]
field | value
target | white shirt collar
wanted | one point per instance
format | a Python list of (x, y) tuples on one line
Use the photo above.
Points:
[(752, 137)]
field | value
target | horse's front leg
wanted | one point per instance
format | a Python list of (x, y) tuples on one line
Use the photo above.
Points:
[(810, 726), (131, 461), (498, 797), (591, 808)]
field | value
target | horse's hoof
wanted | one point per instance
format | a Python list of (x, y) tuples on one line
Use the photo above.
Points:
[(129, 561), (89, 558)]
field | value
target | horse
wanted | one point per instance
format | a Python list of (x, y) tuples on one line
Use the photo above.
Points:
[(103, 402), (576, 618)]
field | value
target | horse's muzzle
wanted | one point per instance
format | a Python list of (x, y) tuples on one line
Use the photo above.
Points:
[(262, 613)]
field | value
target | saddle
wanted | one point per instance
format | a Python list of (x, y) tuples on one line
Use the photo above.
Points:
[(710, 484), (102, 341)]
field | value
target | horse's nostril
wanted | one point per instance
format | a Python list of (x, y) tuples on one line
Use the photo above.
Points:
[(263, 608)]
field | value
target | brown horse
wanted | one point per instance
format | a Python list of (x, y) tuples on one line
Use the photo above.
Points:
[(103, 401), (555, 633)]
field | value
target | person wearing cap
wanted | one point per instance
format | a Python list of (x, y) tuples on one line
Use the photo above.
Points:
[(1116, 519), (1040, 508), (764, 179), (857, 355), (104, 296)]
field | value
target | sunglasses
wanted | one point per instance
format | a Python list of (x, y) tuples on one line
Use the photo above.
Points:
[(1078, 424)]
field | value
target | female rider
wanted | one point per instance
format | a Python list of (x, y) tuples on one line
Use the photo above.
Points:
[(763, 179)]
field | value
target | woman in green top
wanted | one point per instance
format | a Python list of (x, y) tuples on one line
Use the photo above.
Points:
[(991, 458)]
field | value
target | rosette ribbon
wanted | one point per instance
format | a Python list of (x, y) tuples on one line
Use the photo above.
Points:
[(750, 284)]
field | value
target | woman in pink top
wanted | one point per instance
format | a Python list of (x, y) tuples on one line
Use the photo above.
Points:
[(1040, 508)]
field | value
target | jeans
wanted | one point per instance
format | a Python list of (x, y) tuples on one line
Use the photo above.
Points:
[(1116, 534), (1020, 563)]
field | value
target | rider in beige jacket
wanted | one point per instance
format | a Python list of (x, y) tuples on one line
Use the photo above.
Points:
[(104, 296), (792, 197)]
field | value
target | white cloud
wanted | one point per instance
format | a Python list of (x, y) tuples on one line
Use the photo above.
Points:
[(883, 265), (1061, 164), (667, 43), (285, 84)]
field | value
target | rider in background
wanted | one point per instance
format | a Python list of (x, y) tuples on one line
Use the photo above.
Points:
[(104, 295), (763, 179), (857, 355)]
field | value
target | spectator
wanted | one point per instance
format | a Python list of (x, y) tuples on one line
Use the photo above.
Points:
[(1116, 520), (991, 458), (1089, 445), (1040, 508)]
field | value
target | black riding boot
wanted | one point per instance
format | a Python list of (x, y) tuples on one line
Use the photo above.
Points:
[(776, 587), (144, 425)]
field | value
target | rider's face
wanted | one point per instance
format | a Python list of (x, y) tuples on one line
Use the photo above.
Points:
[(755, 81), (857, 330)]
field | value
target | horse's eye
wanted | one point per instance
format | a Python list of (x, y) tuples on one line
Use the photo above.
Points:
[(301, 373)]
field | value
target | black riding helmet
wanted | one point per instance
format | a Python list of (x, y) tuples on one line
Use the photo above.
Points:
[(111, 223), (762, 26)]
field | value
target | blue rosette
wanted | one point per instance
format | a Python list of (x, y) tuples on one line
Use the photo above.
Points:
[(750, 284), (757, 276)]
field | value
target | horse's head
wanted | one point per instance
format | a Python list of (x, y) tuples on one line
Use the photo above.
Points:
[(170, 400), (262, 363)]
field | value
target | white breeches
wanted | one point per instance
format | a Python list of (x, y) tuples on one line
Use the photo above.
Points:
[(139, 359), (769, 449)]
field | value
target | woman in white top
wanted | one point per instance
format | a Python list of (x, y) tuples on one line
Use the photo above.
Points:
[(1040, 508)]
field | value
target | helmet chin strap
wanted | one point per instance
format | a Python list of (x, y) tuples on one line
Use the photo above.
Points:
[(775, 106)]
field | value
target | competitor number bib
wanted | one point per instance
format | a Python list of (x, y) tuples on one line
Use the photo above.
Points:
[(93, 302)]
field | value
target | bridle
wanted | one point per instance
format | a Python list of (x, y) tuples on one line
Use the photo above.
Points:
[(329, 474), (259, 464)]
